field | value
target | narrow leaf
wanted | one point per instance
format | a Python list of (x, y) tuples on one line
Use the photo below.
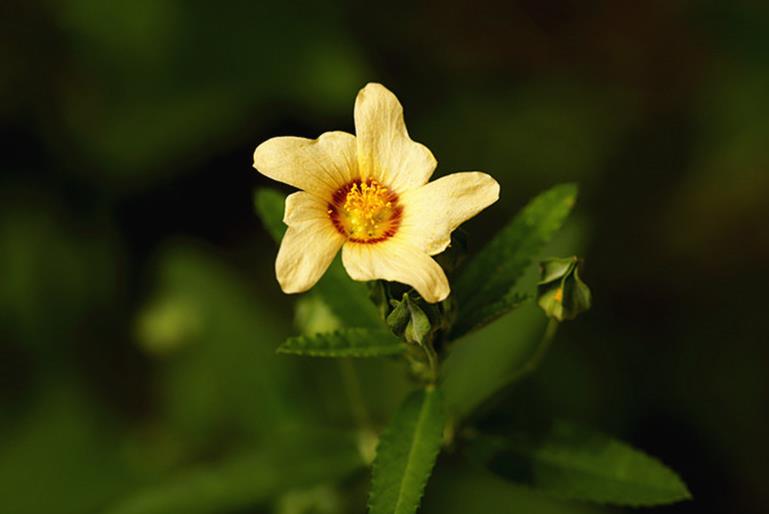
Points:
[(488, 313), (501, 350), (491, 275), (348, 342), (573, 462), (406, 454)]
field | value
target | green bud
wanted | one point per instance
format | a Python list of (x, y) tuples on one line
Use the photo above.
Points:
[(409, 321), (560, 291)]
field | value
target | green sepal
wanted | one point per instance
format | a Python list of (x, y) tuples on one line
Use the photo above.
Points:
[(561, 293), (409, 321)]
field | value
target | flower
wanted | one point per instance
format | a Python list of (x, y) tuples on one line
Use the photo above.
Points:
[(368, 195)]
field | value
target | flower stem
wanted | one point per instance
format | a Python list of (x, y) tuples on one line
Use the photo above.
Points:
[(529, 367), (544, 345), (432, 360)]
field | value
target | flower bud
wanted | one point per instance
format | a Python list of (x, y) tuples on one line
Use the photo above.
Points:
[(409, 321), (560, 291)]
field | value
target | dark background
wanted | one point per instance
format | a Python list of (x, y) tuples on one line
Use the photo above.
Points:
[(127, 226)]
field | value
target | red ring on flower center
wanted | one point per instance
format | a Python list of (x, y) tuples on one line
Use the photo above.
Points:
[(365, 211)]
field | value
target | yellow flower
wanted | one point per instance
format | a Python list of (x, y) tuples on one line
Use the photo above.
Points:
[(369, 195)]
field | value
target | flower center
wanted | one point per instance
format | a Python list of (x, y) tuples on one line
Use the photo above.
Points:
[(365, 211)]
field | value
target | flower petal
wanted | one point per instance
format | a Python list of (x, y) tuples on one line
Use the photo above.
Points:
[(318, 166), (433, 211), (398, 261), (385, 151), (309, 245)]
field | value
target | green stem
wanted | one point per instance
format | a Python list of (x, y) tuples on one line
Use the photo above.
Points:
[(354, 394), (432, 360), (544, 345)]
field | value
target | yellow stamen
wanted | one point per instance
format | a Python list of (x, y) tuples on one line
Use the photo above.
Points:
[(368, 212), (558, 297), (366, 205)]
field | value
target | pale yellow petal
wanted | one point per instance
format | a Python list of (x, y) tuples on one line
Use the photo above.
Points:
[(309, 245), (432, 212), (385, 150), (302, 207), (398, 261), (318, 166)]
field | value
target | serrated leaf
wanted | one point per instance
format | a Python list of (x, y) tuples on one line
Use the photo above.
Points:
[(568, 461), (348, 299), (406, 454), (245, 481), (346, 342), (491, 275), (488, 313), (269, 206)]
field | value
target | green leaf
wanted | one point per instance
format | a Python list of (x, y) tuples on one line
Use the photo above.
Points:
[(568, 461), (472, 489), (406, 454), (347, 342), (502, 350), (349, 300), (490, 277), (269, 206), (488, 313), (239, 483)]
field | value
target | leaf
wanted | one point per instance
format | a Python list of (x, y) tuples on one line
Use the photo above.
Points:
[(349, 300), (347, 342), (406, 454), (568, 461), (242, 482), (472, 489), (488, 313), (490, 276), (501, 350), (269, 206)]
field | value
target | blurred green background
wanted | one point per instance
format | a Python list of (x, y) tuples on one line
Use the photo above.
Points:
[(138, 307)]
